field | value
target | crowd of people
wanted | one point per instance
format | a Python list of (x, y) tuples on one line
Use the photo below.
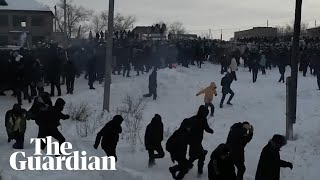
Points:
[(27, 71)]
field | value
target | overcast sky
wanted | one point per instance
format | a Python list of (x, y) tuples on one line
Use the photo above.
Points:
[(199, 16)]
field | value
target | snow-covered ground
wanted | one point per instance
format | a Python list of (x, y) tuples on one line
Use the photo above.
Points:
[(262, 104)]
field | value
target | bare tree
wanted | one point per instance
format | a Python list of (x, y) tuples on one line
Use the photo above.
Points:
[(76, 16), (121, 22), (176, 28), (288, 29)]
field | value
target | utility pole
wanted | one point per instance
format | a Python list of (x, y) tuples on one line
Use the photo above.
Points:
[(267, 23), (221, 35), (315, 23), (293, 80), (65, 20), (55, 18), (109, 57)]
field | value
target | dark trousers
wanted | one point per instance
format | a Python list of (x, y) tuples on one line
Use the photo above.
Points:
[(55, 133), (126, 69), (19, 91), (92, 78), (70, 83), (263, 69), (19, 137), (281, 77), (152, 91), (211, 106), (234, 75), (224, 96), (197, 153), (241, 169), (111, 151), (254, 75), (153, 156), (57, 85), (33, 87), (182, 168)]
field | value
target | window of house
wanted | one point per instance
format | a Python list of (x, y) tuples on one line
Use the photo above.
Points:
[(17, 20), (4, 40), (4, 21), (37, 21)]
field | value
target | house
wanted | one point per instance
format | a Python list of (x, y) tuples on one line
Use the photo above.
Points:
[(313, 32), (256, 32), (26, 18)]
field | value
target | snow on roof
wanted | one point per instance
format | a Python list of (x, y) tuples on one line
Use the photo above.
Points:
[(24, 5)]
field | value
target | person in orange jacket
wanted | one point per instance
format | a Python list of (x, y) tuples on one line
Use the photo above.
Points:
[(208, 96)]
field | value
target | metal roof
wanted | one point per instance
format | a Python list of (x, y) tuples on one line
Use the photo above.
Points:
[(24, 5)]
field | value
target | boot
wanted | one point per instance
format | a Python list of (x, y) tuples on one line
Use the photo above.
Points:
[(229, 103), (173, 172)]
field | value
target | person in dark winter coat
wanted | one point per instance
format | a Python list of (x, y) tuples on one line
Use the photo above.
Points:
[(239, 136), (282, 70), (226, 89), (110, 136), (199, 124), (16, 124), (49, 120), (91, 69), (153, 138), (270, 162), (152, 84), (54, 72), (71, 73), (177, 146), (221, 166)]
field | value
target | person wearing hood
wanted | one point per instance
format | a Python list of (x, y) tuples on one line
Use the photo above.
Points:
[(49, 120), (152, 84), (226, 88), (221, 166), (16, 124), (270, 163), (177, 146), (153, 138), (199, 124), (240, 135), (110, 136), (208, 96)]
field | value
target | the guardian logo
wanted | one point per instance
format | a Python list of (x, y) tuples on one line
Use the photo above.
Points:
[(58, 158)]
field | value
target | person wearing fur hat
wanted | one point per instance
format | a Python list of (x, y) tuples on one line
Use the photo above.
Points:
[(110, 136), (221, 166), (270, 163), (240, 135), (208, 96), (153, 138)]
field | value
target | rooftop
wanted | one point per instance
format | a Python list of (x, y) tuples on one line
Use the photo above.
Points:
[(22, 5)]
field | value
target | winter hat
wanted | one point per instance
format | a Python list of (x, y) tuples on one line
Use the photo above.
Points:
[(16, 107), (118, 118), (213, 84), (60, 103), (203, 111), (279, 140)]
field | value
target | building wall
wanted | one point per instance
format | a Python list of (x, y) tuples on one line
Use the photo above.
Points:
[(314, 32), (43, 30), (256, 32)]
